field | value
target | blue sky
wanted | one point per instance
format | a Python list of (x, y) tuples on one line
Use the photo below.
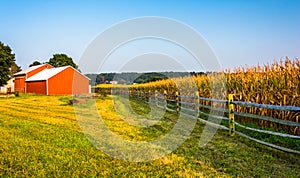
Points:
[(240, 32)]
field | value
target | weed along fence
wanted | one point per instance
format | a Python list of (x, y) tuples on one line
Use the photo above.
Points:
[(197, 107)]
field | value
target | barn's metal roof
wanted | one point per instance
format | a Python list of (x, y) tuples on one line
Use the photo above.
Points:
[(29, 69), (46, 74)]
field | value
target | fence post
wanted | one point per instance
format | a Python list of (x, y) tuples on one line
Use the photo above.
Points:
[(156, 99), (177, 102), (196, 104), (165, 96), (231, 114)]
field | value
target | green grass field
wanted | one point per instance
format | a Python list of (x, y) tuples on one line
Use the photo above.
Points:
[(40, 137)]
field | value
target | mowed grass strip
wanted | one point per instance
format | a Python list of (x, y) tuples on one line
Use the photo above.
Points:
[(44, 140), (117, 122), (40, 108)]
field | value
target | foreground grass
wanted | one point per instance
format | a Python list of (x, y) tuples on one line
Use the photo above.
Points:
[(41, 137)]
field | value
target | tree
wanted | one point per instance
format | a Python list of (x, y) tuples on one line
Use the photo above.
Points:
[(7, 59), (60, 60), (14, 69), (35, 63)]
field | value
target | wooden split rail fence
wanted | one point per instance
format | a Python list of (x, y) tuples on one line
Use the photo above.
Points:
[(191, 104)]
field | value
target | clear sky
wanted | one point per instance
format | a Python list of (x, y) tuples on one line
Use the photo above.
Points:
[(240, 32)]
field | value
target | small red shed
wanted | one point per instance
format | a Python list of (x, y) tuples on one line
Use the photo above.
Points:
[(20, 77), (58, 81)]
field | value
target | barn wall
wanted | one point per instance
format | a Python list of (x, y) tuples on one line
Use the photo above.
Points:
[(31, 73), (62, 83), (3, 90), (37, 87), (80, 84), (20, 83), (10, 84)]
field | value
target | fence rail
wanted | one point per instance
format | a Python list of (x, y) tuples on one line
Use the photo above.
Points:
[(267, 106), (174, 103)]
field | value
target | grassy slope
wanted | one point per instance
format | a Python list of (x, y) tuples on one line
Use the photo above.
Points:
[(40, 137)]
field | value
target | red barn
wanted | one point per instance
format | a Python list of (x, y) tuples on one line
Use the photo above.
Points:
[(58, 81), (20, 77)]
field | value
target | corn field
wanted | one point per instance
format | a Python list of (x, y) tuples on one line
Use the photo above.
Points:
[(276, 84)]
